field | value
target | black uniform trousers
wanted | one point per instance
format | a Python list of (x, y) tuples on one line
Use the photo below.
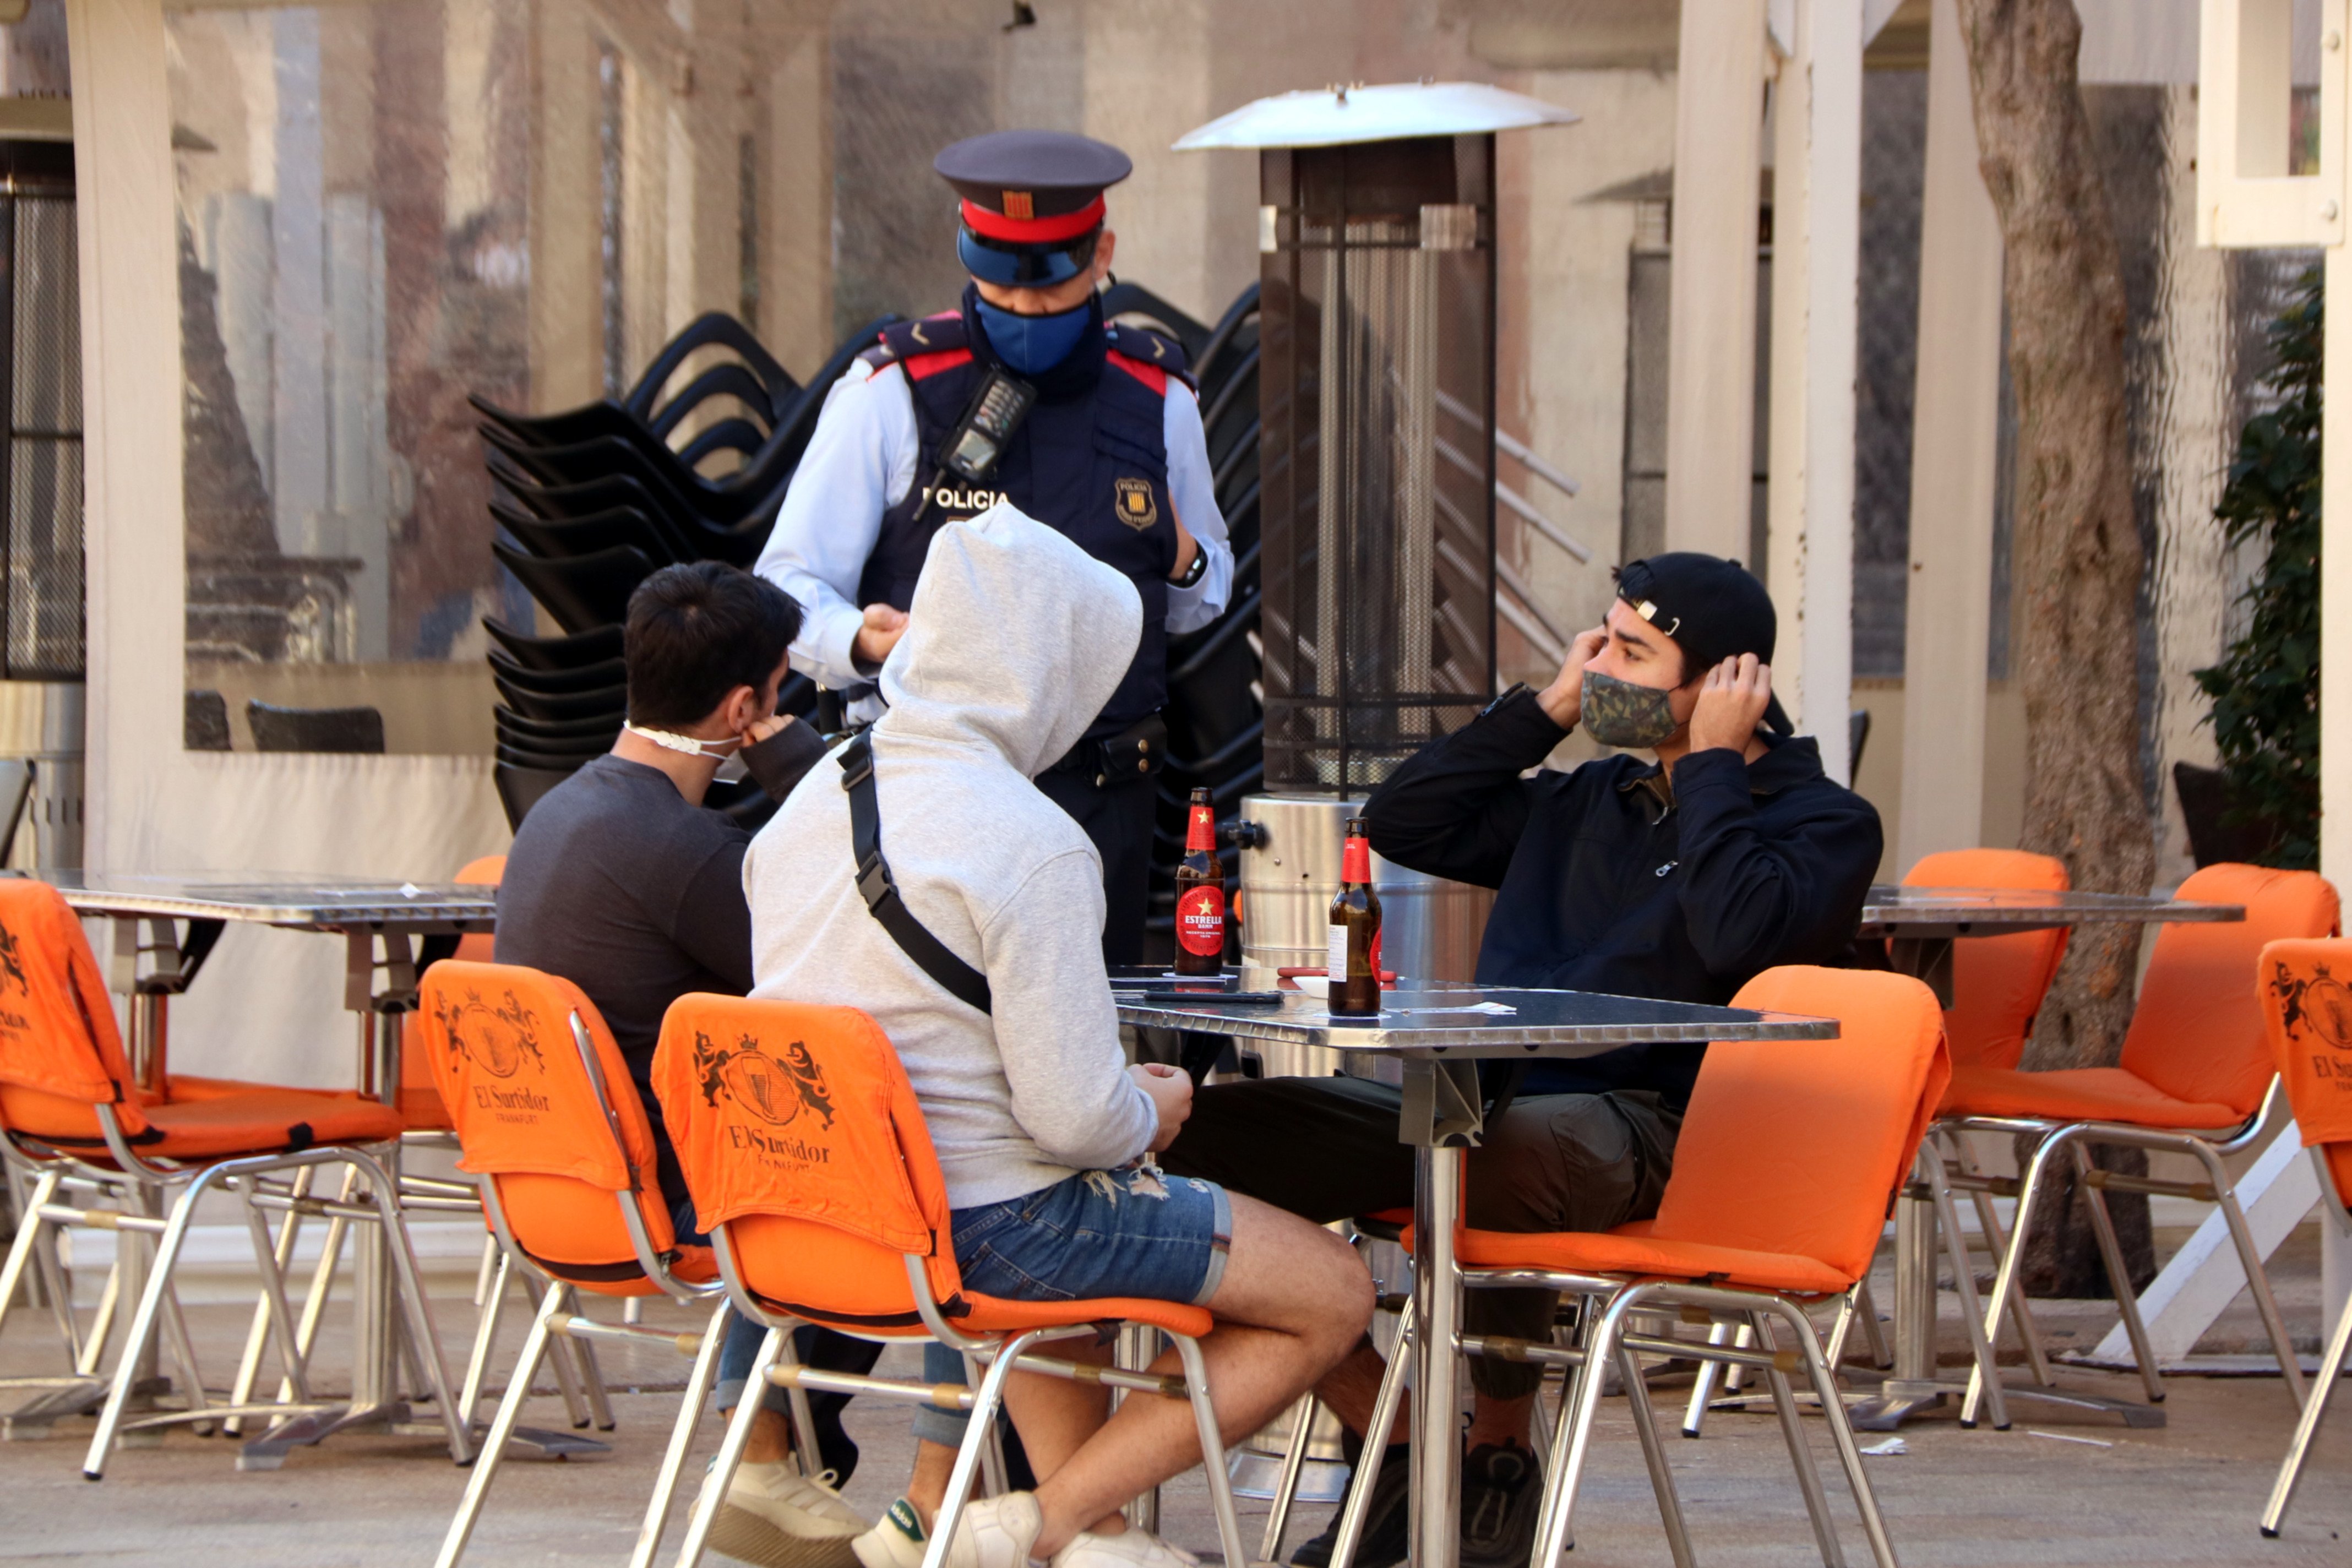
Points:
[(1117, 817), (1326, 1149)]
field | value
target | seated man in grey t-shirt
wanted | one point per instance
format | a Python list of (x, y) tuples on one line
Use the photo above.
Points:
[(624, 883)]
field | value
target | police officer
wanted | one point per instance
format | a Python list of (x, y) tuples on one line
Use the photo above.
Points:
[(1111, 454)]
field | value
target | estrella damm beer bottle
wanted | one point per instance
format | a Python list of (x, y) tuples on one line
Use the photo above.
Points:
[(1200, 893), (1355, 957)]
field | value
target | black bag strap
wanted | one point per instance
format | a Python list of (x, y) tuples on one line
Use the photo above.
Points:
[(964, 982)]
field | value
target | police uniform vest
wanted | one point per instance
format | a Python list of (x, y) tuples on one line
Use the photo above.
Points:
[(1090, 461)]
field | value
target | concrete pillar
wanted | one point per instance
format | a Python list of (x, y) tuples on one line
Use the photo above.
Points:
[(1711, 345), (1816, 254), (1955, 436)]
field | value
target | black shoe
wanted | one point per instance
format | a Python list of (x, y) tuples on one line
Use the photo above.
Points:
[(1500, 1501), (1387, 1522)]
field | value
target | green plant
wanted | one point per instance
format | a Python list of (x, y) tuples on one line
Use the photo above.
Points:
[(2265, 690)]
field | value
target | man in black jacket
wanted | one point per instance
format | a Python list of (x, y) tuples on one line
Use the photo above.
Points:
[(1679, 879)]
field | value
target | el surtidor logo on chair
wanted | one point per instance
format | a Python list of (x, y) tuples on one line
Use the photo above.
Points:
[(774, 1090), (500, 1041), (2321, 1005)]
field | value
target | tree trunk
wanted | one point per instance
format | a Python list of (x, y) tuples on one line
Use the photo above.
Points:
[(2076, 551)]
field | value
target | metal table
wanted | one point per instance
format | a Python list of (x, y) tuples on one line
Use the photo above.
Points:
[(392, 930), (1438, 1037), (1921, 925)]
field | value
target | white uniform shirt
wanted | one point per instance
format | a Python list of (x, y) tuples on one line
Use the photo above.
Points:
[(861, 462)]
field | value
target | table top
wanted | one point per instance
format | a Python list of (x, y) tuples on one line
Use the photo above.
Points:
[(1952, 912), (1471, 1021), (315, 904)]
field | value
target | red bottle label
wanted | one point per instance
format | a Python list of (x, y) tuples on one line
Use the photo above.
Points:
[(1355, 861), (1201, 833), (1200, 919)]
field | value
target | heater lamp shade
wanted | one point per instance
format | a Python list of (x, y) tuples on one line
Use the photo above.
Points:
[(1336, 116)]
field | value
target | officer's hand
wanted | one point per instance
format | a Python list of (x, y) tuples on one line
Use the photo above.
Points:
[(1731, 704), (1187, 547), (1170, 1089), (885, 624), (1563, 700)]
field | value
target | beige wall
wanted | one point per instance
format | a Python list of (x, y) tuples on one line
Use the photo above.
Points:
[(1879, 780)]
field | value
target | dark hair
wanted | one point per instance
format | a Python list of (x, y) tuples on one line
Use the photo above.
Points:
[(698, 631)]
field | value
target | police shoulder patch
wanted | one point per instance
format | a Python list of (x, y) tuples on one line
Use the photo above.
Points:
[(1136, 505)]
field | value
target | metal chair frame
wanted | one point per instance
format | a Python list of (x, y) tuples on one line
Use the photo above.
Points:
[(2331, 1365), (559, 1317), (2075, 1140), (1001, 1354), (144, 1180), (1603, 1337), (34, 1252)]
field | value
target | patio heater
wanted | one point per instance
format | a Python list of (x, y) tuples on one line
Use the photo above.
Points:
[(1377, 241)]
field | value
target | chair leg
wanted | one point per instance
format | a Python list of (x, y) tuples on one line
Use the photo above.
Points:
[(1800, 1453), (101, 1322), (2258, 1280), (1702, 1392), (1840, 1327), (2314, 1410), (592, 1380), (797, 1413), (682, 1438), (1964, 1280), (2004, 1279), (1874, 1332), (1556, 1529), (1212, 1447), (1865, 1501), (268, 1257), (567, 1377), (142, 1326), (731, 1452), (493, 1452), (988, 1399), (1286, 1489), (493, 1303), (257, 1333), (1359, 1501), (30, 1226), (2111, 1252), (1653, 1454), (2020, 1312), (409, 1286)]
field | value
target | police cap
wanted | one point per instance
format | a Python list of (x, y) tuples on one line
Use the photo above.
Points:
[(1033, 203)]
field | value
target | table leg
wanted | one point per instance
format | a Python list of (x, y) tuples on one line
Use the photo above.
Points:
[(1927, 958), (1437, 1390), (1913, 1386)]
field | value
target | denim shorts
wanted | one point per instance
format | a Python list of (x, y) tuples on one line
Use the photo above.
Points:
[(1099, 1233)]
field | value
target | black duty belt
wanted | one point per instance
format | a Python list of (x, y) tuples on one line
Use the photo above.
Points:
[(1136, 751), (875, 884)]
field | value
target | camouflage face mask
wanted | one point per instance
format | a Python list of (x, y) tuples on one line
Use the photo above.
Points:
[(1619, 713)]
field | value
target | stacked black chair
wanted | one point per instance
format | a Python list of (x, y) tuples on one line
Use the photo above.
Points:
[(589, 502)]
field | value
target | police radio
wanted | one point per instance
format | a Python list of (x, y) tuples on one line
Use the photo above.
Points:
[(972, 447)]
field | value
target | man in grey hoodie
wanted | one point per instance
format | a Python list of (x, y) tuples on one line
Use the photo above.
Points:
[(1014, 642)]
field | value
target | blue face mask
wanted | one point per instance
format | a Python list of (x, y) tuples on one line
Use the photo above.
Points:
[(1032, 344)]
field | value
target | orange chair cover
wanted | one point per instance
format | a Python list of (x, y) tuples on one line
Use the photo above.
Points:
[(1791, 1150), (61, 1057), (2307, 1014), (420, 1101), (499, 1037), (2196, 1055), (1998, 982), (799, 1132)]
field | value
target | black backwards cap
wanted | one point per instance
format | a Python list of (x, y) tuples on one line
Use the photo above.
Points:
[(1712, 609)]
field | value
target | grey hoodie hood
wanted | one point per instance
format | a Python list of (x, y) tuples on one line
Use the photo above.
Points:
[(1015, 639)]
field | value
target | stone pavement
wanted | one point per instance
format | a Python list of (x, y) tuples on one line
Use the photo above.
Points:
[(2188, 1493)]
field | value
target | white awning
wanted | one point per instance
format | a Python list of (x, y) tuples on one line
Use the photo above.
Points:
[(1333, 116)]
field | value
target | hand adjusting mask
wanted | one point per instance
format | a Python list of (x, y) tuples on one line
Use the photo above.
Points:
[(1621, 713)]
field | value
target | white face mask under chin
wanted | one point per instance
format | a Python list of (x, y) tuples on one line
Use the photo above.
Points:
[(669, 740)]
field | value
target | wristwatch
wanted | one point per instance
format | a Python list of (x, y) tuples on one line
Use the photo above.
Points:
[(1195, 573)]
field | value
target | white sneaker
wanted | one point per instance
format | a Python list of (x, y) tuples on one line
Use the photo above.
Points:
[(774, 1516), (1130, 1549), (895, 1541), (994, 1532)]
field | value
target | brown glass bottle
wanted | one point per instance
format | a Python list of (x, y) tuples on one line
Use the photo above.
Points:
[(1200, 893), (1355, 960)]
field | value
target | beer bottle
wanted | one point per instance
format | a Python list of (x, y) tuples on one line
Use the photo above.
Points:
[(1355, 960), (1200, 893)]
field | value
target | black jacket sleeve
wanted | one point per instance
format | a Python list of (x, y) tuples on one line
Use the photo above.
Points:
[(783, 759), (1780, 885), (1456, 807)]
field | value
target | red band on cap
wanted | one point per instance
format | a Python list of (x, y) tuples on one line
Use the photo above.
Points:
[(1035, 230)]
